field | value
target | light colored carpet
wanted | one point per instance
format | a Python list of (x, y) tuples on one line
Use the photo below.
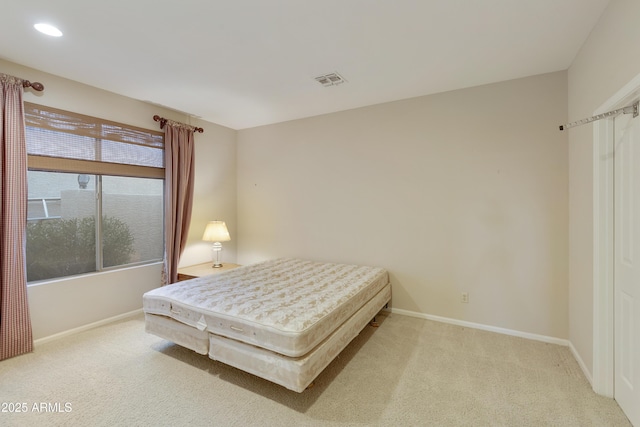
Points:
[(407, 372)]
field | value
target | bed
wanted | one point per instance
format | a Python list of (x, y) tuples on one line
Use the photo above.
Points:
[(283, 320)]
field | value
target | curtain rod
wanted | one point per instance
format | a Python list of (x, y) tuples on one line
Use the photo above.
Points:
[(25, 83), (164, 121)]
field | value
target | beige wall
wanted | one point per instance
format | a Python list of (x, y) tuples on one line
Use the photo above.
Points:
[(60, 305), (607, 61), (464, 191)]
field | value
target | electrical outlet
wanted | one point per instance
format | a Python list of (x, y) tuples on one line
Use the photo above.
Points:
[(465, 297)]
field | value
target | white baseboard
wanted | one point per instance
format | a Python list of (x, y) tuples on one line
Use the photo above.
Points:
[(581, 363), (87, 327), (527, 335)]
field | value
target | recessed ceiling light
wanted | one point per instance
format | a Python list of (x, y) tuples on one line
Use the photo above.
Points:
[(47, 29)]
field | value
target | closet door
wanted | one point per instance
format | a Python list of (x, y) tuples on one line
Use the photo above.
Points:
[(627, 265)]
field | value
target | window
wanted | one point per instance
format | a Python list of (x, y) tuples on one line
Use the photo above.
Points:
[(96, 194)]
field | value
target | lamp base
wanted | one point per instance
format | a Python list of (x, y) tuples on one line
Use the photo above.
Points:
[(217, 248)]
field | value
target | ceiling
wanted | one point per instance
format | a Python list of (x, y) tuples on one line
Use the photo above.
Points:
[(246, 63)]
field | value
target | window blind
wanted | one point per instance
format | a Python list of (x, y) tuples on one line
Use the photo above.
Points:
[(59, 140)]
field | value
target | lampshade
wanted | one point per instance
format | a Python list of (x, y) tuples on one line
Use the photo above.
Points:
[(216, 231)]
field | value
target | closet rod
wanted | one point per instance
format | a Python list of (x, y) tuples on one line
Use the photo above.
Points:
[(630, 109)]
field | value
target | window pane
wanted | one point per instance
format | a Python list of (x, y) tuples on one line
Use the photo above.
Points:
[(132, 220), (60, 144), (58, 133), (131, 154), (60, 225), (50, 143)]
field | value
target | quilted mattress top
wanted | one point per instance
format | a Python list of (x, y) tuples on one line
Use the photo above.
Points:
[(284, 305)]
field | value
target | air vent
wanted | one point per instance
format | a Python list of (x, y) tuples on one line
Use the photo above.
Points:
[(332, 79)]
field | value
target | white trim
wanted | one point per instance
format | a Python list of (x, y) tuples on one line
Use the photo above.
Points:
[(504, 331), (73, 331), (622, 97), (581, 363), (603, 240), (603, 258)]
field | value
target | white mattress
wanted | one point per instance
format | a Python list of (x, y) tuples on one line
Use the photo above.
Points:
[(287, 306)]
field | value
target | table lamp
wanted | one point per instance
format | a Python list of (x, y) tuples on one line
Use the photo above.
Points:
[(216, 232)]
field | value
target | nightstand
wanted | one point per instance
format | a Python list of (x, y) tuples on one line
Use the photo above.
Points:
[(200, 270)]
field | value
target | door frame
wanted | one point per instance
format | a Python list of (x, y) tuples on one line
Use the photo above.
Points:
[(603, 241)]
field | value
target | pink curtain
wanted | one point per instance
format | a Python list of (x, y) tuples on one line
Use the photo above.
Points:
[(15, 324), (179, 172)]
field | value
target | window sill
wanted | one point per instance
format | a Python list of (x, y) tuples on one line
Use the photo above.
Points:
[(93, 274)]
